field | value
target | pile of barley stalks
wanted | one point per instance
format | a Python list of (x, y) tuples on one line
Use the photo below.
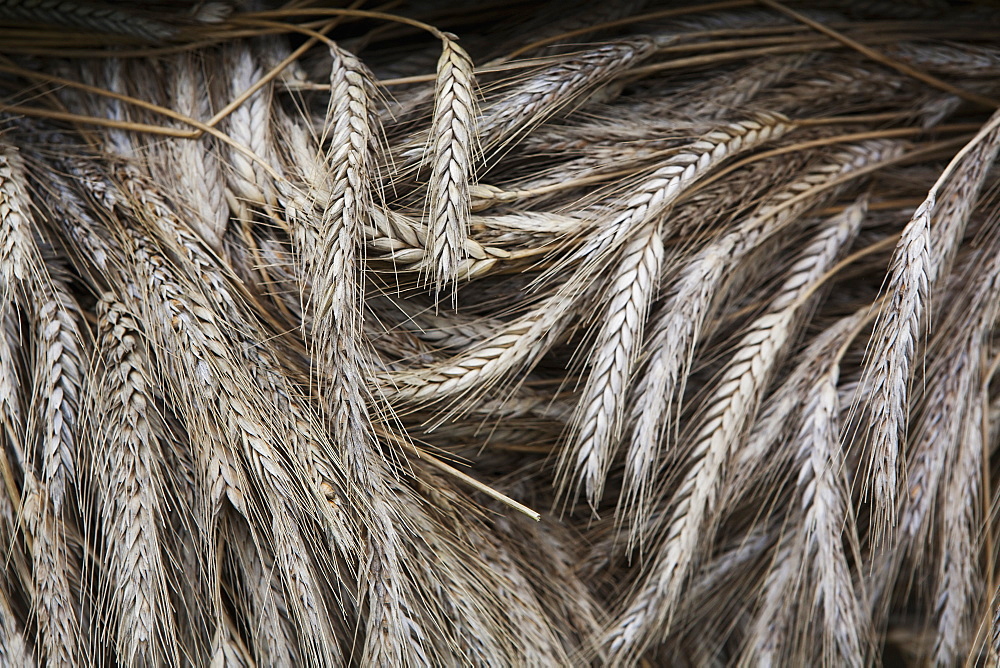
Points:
[(509, 335)]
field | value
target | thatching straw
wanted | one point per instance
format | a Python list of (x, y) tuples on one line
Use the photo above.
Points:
[(610, 334)]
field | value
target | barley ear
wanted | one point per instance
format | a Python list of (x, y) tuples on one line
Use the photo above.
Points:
[(124, 434), (587, 457), (453, 141), (894, 342)]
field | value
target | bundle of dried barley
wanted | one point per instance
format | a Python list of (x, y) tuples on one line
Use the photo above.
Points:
[(296, 329)]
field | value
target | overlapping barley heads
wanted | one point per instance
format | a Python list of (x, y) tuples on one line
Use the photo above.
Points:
[(584, 334)]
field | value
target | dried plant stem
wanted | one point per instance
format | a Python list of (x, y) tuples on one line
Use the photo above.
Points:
[(676, 332), (273, 638), (14, 646), (766, 449), (326, 243), (250, 127), (831, 597), (196, 164), (57, 383), (105, 19), (882, 58), (528, 337), (957, 595), (828, 607), (453, 142), (19, 263), (518, 344), (716, 433), (55, 604), (597, 423), (553, 88), (18, 260), (682, 171), (126, 446), (329, 255), (286, 361), (894, 341)]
